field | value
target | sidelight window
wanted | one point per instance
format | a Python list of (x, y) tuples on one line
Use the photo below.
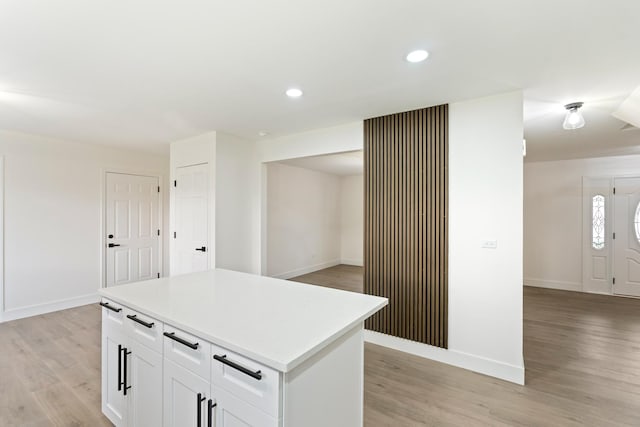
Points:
[(598, 222), (636, 222)]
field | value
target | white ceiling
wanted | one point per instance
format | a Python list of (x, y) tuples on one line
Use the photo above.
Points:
[(141, 73), (343, 164)]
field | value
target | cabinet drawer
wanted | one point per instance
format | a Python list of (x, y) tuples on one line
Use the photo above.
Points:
[(112, 316), (144, 329), (250, 381), (231, 411), (187, 351)]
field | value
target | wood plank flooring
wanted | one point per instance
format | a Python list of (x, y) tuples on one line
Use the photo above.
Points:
[(50, 370), (345, 277), (582, 358), (582, 355)]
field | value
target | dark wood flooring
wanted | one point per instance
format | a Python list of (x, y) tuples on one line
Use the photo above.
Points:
[(582, 355)]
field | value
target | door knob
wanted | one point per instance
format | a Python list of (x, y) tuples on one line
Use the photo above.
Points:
[(203, 249), (111, 245)]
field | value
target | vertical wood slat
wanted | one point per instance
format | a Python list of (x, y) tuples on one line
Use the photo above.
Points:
[(406, 223)]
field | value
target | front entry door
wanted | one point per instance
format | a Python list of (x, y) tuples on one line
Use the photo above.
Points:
[(627, 237), (132, 228), (191, 219)]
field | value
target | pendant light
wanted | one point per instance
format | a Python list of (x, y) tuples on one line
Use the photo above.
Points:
[(574, 119)]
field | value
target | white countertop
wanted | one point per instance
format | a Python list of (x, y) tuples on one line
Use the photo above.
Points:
[(275, 322)]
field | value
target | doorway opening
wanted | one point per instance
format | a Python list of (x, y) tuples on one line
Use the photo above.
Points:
[(314, 220)]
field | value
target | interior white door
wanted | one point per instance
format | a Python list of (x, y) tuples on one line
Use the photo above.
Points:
[(132, 228), (627, 237), (191, 219)]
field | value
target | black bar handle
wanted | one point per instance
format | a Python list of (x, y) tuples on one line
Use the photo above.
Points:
[(126, 387), (134, 317), (182, 341), (203, 249), (106, 305), (199, 399), (257, 374), (119, 367), (112, 245), (210, 406)]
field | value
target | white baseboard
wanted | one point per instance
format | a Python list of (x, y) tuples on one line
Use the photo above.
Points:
[(37, 309), (493, 368), (553, 284), (306, 270), (356, 262)]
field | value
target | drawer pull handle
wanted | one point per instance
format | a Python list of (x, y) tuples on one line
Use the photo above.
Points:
[(106, 305), (199, 399), (223, 359), (210, 407), (182, 341), (134, 317), (119, 367)]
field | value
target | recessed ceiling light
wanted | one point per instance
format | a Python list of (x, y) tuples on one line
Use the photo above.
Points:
[(263, 133), (294, 93), (417, 56)]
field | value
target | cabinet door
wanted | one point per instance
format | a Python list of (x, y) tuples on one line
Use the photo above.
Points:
[(144, 398), (113, 344), (185, 397), (233, 412)]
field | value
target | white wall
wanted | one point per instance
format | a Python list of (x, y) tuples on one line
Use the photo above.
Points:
[(485, 203), (553, 216), (303, 220), (236, 195), (338, 139), (53, 208), (351, 220)]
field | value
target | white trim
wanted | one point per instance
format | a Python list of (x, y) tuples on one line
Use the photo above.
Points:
[(103, 218), (493, 368), (306, 270), (356, 262), (553, 284), (48, 307)]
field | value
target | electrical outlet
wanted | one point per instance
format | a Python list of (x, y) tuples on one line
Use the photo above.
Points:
[(490, 244)]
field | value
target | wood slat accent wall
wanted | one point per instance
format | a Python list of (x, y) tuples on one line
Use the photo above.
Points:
[(406, 199)]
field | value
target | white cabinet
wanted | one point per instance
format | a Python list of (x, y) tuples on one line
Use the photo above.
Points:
[(131, 372), (113, 403), (154, 374), (230, 411), (144, 398), (186, 397), (250, 381)]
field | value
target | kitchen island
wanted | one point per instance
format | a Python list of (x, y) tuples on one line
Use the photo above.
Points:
[(222, 348)]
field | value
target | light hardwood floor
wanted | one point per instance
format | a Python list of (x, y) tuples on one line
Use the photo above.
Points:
[(345, 277), (582, 359), (582, 356), (50, 370)]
